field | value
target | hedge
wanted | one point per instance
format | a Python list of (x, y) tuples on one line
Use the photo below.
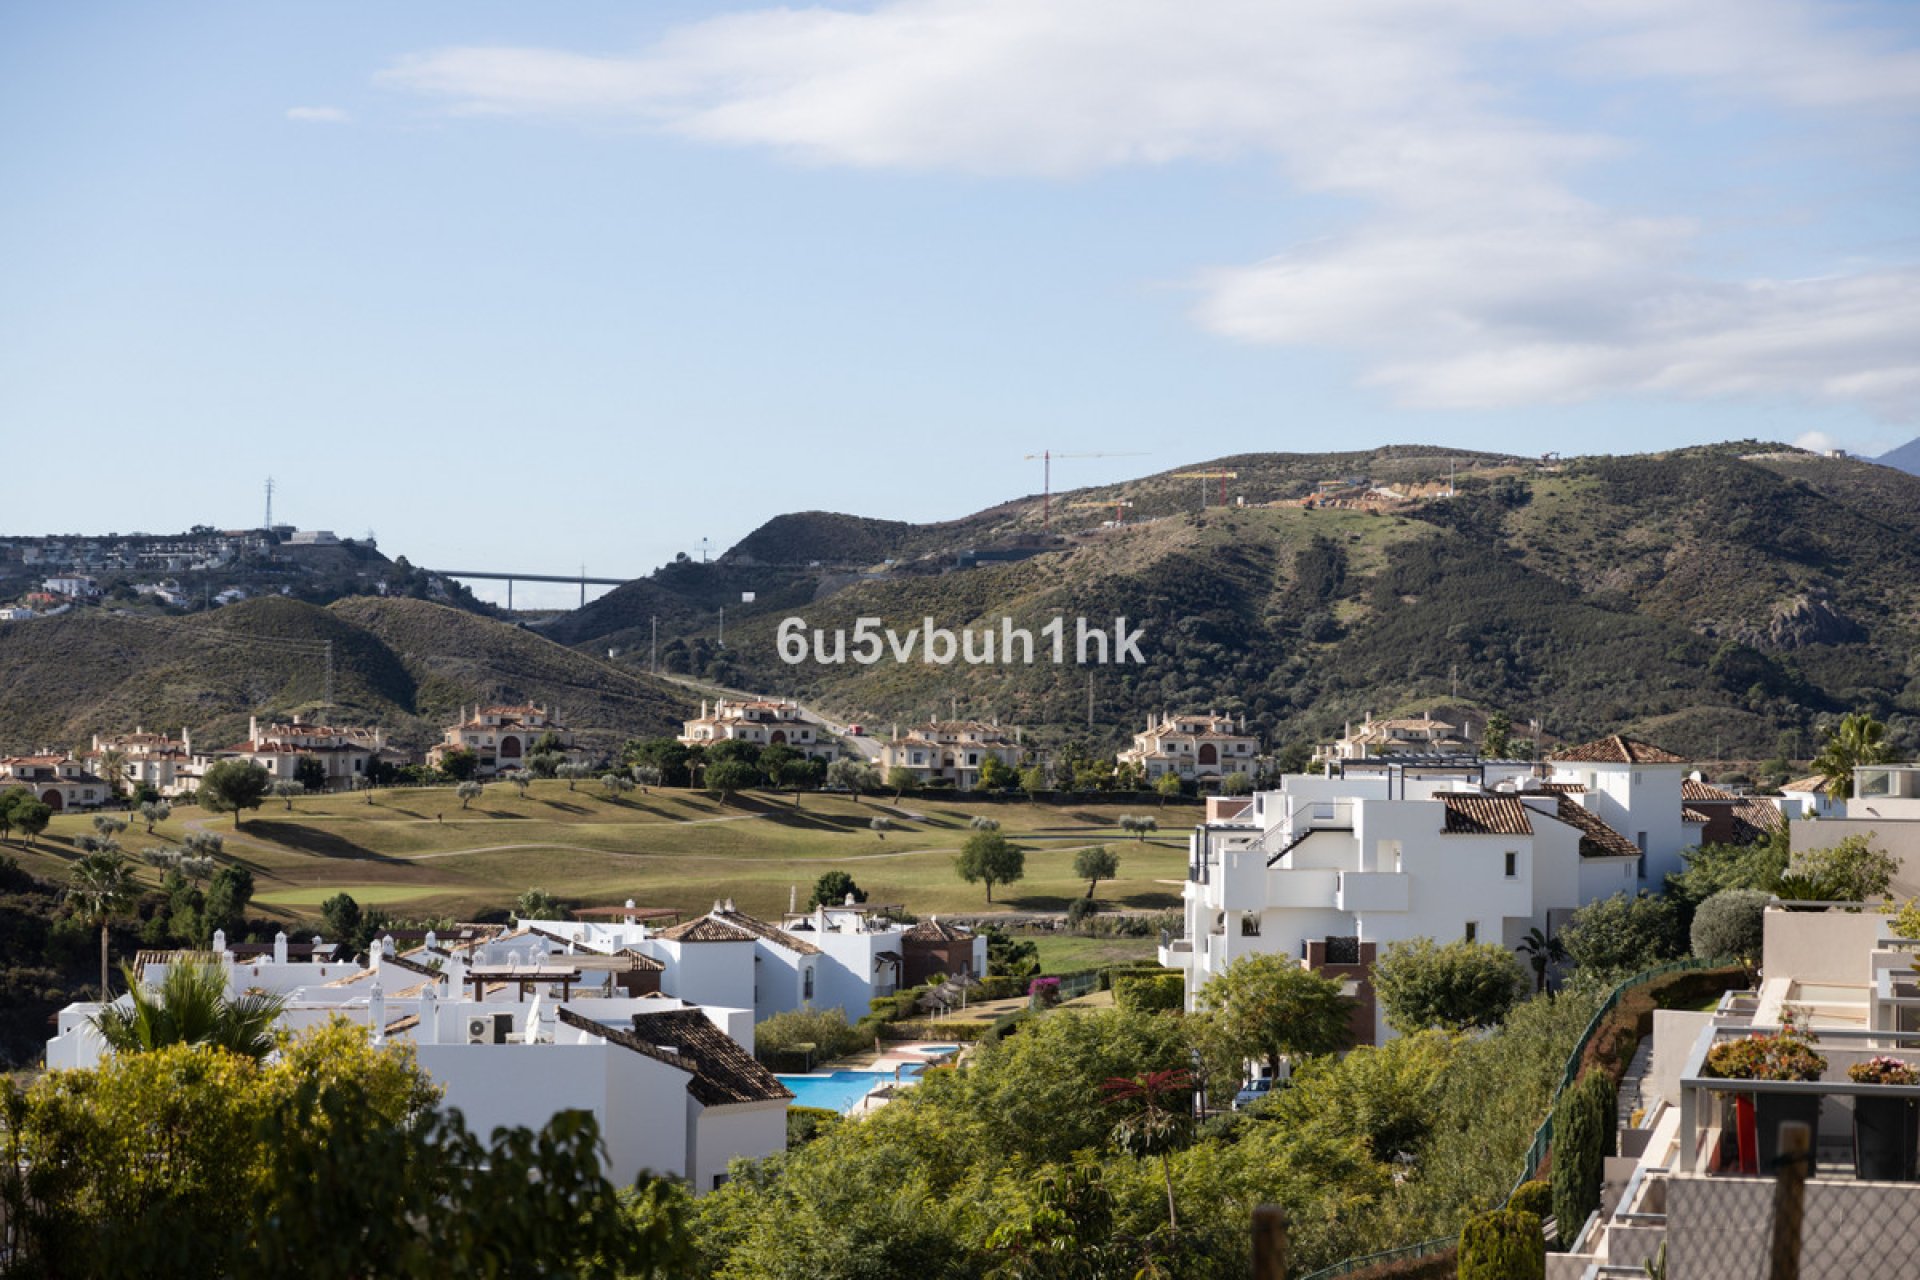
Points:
[(1505, 1244), (1149, 992), (1583, 1129), (923, 1029)]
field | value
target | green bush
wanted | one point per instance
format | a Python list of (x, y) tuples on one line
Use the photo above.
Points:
[(804, 1124), (1583, 1129), (1505, 1244), (924, 1029), (778, 1040), (1535, 1197), (1149, 992)]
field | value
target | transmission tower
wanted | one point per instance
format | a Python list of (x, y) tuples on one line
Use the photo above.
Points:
[(269, 523)]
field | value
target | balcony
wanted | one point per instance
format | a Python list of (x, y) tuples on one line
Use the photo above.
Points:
[(1370, 891), (1304, 890)]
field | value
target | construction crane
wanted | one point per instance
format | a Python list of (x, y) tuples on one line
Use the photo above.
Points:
[(1119, 506), (1046, 457), (1204, 476)]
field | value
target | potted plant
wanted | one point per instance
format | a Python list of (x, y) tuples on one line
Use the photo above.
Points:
[(1886, 1131), (1786, 1054)]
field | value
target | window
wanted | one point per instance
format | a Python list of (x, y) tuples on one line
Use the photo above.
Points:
[(1513, 864), (806, 989), (1473, 931)]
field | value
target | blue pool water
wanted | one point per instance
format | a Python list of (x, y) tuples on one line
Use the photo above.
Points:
[(840, 1090)]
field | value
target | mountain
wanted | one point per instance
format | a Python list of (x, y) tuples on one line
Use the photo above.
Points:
[(1714, 599), (1906, 458), (406, 664)]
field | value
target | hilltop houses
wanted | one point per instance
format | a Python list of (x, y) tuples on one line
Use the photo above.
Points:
[(167, 765), (763, 722), (950, 752), (58, 781), (504, 736), (1425, 735), (344, 754), (1200, 747)]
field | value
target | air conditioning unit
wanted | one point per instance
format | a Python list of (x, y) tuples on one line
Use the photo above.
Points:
[(479, 1030)]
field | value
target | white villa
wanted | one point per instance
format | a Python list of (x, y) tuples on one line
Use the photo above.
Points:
[(762, 722), (1424, 735), (344, 753), (504, 736), (57, 781), (675, 1087), (950, 751), (1330, 869), (1206, 746), (148, 759), (1637, 789)]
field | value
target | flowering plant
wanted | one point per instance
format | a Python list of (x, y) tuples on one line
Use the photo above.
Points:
[(1883, 1070), (1046, 991), (1784, 1055)]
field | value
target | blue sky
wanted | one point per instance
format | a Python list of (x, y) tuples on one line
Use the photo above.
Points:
[(532, 285)]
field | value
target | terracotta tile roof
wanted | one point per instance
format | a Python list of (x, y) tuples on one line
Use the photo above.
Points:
[(1691, 790), (641, 960), (1690, 814), (1760, 817), (772, 933), (706, 929), (1618, 749), (1565, 788), (1812, 782), (722, 1072), (1485, 816), (1597, 839), (933, 930)]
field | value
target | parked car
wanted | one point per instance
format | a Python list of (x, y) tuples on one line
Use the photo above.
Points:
[(1252, 1091)]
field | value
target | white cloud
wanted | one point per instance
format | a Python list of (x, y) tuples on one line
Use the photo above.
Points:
[(318, 115), (1475, 275), (1818, 441)]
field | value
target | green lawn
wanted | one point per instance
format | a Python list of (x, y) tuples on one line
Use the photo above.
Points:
[(420, 848), (1065, 954)]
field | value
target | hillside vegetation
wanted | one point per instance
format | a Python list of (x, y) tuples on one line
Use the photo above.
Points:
[(406, 664), (1723, 600)]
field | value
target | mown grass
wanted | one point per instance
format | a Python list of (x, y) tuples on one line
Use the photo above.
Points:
[(421, 852)]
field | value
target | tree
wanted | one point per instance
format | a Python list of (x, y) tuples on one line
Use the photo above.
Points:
[(1498, 738), (108, 827), (996, 774), (1851, 871), (796, 774), (901, 779), (1458, 987), (460, 764), (468, 792), (9, 797), (1713, 867), (1157, 1112), (1236, 784), (229, 786), (538, 904), (310, 773), (1138, 825), (647, 775), (1502, 1244), (545, 764), (101, 886), (833, 888), (1857, 740), (113, 767), (1266, 1007), (343, 918), (880, 826), (1731, 925), (1167, 787), (519, 778), (30, 815), (981, 822), (1622, 935), (572, 773), (1094, 865), (852, 775), (615, 785), (284, 790), (153, 812), (987, 856), (730, 776), (1542, 954), (1033, 779), (190, 1006)]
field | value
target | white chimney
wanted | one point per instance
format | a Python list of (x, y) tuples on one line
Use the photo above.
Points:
[(280, 948), (377, 1013), (219, 942), (429, 1032)]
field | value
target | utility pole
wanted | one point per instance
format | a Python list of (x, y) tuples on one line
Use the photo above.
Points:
[(653, 647), (723, 626), (329, 703)]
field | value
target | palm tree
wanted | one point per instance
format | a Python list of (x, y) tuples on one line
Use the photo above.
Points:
[(1158, 1106), (101, 886), (1542, 953), (190, 1007), (1858, 739)]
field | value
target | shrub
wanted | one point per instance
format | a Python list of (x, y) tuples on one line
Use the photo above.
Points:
[(1149, 992), (777, 1040), (1883, 1070), (804, 1124), (1505, 1244), (1078, 910), (1731, 925), (1045, 992), (1535, 1197), (1583, 1124), (1458, 986)]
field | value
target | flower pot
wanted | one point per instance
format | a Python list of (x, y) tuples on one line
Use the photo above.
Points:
[(1771, 1110), (1886, 1139)]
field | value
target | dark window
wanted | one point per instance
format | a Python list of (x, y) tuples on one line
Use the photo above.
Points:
[(1513, 865), (1473, 931), (1343, 950)]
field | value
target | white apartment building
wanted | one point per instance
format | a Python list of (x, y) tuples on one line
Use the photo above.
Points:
[(1193, 746), (502, 737), (343, 753), (1423, 735), (674, 1087), (1330, 869), (57, 781), (761, 721), (1637, 789), (949, 751), (148, 759)]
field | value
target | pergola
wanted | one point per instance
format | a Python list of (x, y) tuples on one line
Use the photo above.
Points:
[(524, 976)]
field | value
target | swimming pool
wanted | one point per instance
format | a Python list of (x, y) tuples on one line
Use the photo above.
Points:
[(841, 1090)]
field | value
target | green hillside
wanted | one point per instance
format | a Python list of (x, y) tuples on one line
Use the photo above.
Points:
[(1716, 598), (406, 664)]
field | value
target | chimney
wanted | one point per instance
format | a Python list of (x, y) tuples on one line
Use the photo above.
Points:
[(631, 918), (253, 729), (429, 1032), (377, 1014), (280, 947)]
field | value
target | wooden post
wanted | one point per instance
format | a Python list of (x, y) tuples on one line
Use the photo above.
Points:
[(1269, 1242), (1790, 1199)]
